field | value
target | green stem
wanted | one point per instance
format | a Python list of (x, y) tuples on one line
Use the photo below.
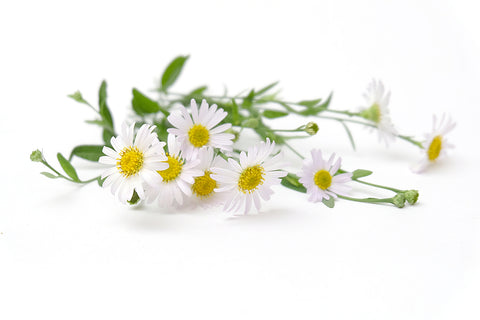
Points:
[(378, 186), (55, 171), (367, 200), (294, 151)]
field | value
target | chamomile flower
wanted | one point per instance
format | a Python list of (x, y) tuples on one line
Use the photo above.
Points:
[(436, 144), (203, 187), (376, 110), (251, 179), (200, 129), (135, 161), (318, 176), (176, 180)]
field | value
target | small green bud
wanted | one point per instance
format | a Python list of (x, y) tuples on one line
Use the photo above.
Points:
[(399, 200), (373, 113), (311, 128), (411, 196), (251, 123), (36, 156)]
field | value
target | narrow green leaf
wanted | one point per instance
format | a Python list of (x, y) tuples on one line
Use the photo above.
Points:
[(102, 103), (326, 103), (107, 136), (266, 88), (135, 198), (172, 72), (349, 133), (291, 181), (198, 92), (329, 203), (248, 101), (309, 103), (49, 175), (142, 104), (100, 181), (67, 167), (272, 114), (87, 152), (235, 113), (360, 173)]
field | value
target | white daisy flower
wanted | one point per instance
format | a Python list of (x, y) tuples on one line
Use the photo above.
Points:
[(203, 187), (176, 180), (435, 145), (318, 176), (134, 162), (200, 129), (376, 110), (251, 179)]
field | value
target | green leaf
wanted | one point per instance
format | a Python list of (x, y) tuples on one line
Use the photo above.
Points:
[(265, 89), (49, 175), (107, 137), (102, 103), (309, 103), (142, 104), (272, 114), (248, 101), (198, 92), (100, 181), (67, 167), (161, 129), (172, 72), (235, 113), (360, 173), (291, 181), (329, 203), (87, 152), (77, 96), (135, 198), (349, 133)]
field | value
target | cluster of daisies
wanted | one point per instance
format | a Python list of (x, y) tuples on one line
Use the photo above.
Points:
[(197, 165)]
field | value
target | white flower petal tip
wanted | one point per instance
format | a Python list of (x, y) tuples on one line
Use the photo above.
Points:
[(320, 178), (201, 128), (436, 144), (376, 110), (133, 162), (249, 181)]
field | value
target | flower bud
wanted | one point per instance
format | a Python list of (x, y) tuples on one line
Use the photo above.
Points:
[(411, 196), (311, 128), (36, 156), (399, 200)]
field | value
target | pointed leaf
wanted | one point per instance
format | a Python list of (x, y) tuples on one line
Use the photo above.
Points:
[(329, 203), (172, 72), (87, 152), (49, 175), (142, 104), (67, 167), (266, 88), (349, 133), (360, 173), (77, 96), (272, 114), (309, 103)]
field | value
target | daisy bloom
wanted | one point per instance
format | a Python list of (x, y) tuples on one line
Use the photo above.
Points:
[(377, 111), (176, 180), (251, 179), (318, 176), (134, 162), (200, 129), (435, 145), (203, 187)]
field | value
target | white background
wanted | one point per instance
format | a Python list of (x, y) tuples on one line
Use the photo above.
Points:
[(69, 252)]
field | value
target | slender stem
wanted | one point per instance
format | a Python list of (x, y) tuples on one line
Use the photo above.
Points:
[(53, 169), (90, 180), (379, 186), (345, 112), (294, 151), (367, 200)]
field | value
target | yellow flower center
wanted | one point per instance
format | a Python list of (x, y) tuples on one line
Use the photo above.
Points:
[(434, 149), (323, 179), (174, 169), (198, 135), (204, 185), (251, 178), (130, 161)]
